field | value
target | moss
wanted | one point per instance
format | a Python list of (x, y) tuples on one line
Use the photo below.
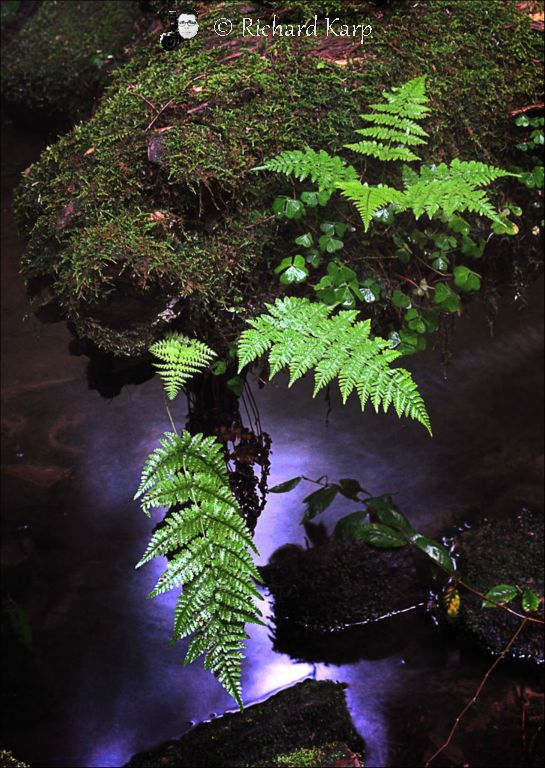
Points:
[(57, 60), (179, 134), (7, 760), (302, 719), (509, 551), (312, 758)]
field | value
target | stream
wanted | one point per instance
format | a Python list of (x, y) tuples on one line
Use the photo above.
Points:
[(100, 681)]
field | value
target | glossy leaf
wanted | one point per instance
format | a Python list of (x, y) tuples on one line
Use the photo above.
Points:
[(350, 526), (319, 501), (287, 485), (530, 601), (387, 512), (378, 535), (434, 550), (501, 593)]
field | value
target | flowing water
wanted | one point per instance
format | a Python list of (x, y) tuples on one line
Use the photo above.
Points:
[(100, 682)]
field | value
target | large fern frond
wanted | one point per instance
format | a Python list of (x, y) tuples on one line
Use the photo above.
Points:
[(322, 169), (210, 552), (181, 358), (301, 335), (408, 100), (369, 199)]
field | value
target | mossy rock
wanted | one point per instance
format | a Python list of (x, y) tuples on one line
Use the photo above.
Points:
[(509, 551), (328, 598), (148, 215), (306, 721), (56, 63)]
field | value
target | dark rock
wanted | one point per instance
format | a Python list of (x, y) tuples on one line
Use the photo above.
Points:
[(307, 716), (328, 597), (509, 551)]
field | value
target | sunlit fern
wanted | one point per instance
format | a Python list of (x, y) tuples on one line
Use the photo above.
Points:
[(181, 358)]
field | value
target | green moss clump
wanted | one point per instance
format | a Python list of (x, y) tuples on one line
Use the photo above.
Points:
[(7, 760), (178, 134), (309, 758), (55, 63)]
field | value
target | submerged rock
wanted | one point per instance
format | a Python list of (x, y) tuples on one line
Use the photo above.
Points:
[(306, 724), (55, 64), (509, 551), (328, 597)]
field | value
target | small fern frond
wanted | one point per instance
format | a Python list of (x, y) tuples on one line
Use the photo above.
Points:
[(394, 122), (181, 359), (408, 100), (450, 188), (209, 546), (301, 335), (322, 169), (369, 199)]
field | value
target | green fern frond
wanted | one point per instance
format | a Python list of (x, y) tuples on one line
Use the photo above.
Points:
[(369, 199), (408, 100), (322, 169), (181, 359), (210, 552), (394, 122), (301, 335), (190, 453), (450, 188)]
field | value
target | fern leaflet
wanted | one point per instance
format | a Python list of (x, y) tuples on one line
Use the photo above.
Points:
[(181, 358), (322, 168), (301, 335), (369, 199)]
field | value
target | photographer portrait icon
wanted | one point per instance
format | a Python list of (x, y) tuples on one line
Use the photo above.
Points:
[(182, 27)]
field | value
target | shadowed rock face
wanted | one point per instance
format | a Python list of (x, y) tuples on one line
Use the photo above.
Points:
[(308, 716), (55, 65), (509, 551), (148, 217)]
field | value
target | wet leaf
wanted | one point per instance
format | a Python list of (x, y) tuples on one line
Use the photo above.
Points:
[(287, 485), (388, 513), (434, 550), (379, 535), (501, 593), (319, 501), (530, 601), (350, 526)]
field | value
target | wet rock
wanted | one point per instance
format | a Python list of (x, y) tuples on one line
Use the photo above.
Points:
[(328, 597), (509, 551), (307, 720), (57, 61)]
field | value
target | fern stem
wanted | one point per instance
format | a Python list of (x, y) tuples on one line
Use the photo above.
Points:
[(173, 425)]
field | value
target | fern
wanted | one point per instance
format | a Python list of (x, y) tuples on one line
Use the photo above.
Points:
[(211, 546), (322, 168), (368, 199), (301, 335), (451, 188), (395, 124), (181, 359)]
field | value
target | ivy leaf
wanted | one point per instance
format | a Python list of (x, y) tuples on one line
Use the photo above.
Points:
[(466, 279), (350, 526), (530, 601), (387, 512), (501, 593), (309, 198), (378, 535), (434, 550), (287, 485), (319, 501)]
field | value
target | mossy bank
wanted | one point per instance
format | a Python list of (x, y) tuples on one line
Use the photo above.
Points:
[(148, 216)]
